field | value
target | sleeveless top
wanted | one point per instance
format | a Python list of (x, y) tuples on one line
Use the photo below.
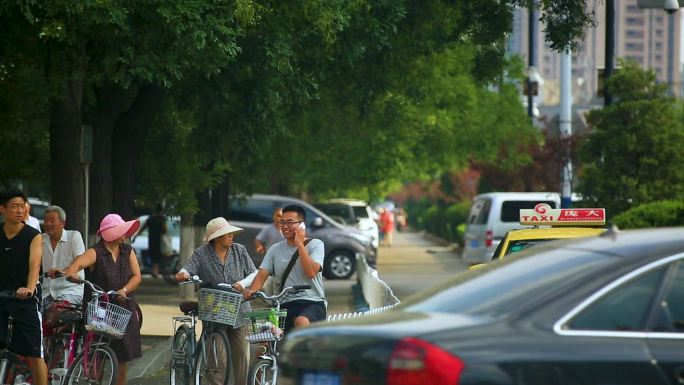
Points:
[(113, 275)]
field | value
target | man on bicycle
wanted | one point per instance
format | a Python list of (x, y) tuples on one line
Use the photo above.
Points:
[(306, 306), (20, 257), (60, 248)]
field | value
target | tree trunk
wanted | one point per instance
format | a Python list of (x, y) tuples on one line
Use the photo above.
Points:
[(219, 199), (66, 172), (129, 134), (112, 101)]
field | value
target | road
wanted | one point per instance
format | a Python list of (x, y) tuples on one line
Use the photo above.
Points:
[(414, 262)]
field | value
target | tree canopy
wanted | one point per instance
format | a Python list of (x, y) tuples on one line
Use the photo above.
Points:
[(322, 96), (633, 155)]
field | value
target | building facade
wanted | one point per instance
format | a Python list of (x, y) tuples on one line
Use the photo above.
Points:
[(650, 37)]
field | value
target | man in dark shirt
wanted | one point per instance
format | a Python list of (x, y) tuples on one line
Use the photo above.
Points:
[(21, 250), (156, 228)]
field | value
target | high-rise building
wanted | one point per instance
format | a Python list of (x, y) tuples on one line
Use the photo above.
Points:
[(650, 37)]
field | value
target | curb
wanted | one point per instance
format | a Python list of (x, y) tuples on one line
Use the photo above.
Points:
[(156, 358)]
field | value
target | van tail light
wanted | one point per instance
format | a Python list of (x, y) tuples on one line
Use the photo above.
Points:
[(417, 362), (489, 238)]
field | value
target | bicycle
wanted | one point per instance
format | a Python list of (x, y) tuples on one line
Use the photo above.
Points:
[(267, 327), (65, 343), (13, 368), (97, 362), (207, 360)]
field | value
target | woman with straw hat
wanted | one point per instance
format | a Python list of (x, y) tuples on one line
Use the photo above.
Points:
[(221, 260), (112, 264)]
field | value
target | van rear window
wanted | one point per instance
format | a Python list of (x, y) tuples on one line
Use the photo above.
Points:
[(510, 210), (479, 212)]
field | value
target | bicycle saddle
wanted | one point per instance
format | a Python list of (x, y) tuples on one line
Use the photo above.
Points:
[(188, 307), (69, 317)]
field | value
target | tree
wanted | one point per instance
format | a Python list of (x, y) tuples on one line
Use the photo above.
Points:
[(633, 156)]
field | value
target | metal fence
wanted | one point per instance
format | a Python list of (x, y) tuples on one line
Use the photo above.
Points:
[(376, 292)]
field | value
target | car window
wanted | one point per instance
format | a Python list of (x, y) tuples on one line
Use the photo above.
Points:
[(336, 211), (511, 283), (516, 246), (670, 315), (360, 211), (252, 210), (624, 308), (479, 212), (510, 210)]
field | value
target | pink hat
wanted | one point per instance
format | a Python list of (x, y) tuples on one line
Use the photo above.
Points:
[(218, 227), (113, 227)]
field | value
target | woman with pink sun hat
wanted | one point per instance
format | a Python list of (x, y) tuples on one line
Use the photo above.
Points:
[(112, 264)]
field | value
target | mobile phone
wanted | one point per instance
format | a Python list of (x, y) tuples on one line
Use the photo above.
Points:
[(302, 226)]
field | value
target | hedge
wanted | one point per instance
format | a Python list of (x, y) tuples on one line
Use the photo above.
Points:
[(654, 214)]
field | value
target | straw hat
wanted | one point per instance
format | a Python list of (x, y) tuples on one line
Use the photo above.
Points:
[(218, 227)]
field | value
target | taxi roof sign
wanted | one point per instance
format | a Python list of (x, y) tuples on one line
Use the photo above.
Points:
[(543, 214)]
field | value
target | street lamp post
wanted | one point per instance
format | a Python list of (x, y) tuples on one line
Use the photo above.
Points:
[(531, 55)]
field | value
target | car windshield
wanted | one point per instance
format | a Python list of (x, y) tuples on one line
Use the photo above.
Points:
[(360, 211), (516, 246), (510, 284)]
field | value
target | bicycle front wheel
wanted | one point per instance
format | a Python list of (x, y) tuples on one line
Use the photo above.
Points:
[(261, 373), (99, 367), (213, 363), (181, 356)]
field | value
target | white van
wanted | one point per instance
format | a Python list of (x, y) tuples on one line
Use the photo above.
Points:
[(492, 215)]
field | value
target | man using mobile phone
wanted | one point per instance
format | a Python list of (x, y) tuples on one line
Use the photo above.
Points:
[(308, 254)]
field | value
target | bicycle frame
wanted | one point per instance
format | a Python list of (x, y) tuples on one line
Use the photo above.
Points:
[(271, 354)]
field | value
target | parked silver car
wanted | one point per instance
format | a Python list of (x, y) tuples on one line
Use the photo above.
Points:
[(342, 243)]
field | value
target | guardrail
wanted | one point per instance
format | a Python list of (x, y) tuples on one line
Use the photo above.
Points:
[(376, 292)]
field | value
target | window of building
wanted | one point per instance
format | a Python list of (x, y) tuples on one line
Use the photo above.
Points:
[(634, 46), (636, 34), (634, 21)]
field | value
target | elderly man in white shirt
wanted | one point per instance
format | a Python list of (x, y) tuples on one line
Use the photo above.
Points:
[(60, 248)]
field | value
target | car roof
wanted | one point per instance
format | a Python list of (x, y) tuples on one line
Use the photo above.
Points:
[(554, 233), (633, 243), (350, 202)]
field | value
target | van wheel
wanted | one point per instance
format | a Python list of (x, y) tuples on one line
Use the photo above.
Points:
[(339, 264)]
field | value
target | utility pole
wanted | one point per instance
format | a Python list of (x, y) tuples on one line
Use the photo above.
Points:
[(610, 50), (565, 126), (530, 59)]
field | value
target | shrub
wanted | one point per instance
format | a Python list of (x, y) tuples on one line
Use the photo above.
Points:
[(654, 214)]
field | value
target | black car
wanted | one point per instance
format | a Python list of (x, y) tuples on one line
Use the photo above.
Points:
[(604, 310)]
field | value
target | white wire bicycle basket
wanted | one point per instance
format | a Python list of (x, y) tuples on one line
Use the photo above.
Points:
[(107, 318), (219, 306)]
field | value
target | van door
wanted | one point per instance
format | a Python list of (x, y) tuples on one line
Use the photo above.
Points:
[(474, 239)]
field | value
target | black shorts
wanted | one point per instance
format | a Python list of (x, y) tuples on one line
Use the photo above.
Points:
[(313, 310), (27, 331)]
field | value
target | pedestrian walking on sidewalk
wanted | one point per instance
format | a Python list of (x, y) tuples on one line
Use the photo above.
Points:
[(221, 260), (112, 265)]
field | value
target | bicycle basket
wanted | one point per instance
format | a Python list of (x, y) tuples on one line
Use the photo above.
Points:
[(107, 318), (266, 325), (219, 306)]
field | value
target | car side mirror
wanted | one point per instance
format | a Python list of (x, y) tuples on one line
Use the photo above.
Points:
[(317, 222)]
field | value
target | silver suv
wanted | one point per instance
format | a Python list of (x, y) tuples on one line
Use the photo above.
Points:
[(342, 243)]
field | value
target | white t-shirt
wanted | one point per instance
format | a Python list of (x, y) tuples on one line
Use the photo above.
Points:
[(33, 222), (278, 257)]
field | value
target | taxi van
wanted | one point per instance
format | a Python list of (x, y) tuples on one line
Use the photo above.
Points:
[(568, 223)]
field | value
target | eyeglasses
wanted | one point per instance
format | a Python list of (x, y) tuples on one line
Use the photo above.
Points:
[(289, 223)]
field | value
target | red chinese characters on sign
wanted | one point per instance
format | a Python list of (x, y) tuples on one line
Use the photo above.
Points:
[(543, 214)]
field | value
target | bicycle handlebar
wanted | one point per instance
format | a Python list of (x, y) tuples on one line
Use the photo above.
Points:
[(191, 279), (286, 291)]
